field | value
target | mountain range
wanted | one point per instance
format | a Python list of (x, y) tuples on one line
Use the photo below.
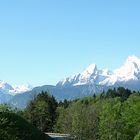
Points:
[(90, 81)]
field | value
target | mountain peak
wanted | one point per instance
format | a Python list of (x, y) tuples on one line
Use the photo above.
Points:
[(130, 70), (5, 86), (90, 69), (13, 90), (133, 59), (88, 72), (92, 75)]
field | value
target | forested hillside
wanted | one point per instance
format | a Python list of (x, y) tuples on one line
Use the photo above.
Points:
[(109, 116), (114, 115)]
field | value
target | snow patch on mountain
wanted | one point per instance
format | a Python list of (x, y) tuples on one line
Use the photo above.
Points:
[(129, 71), (6, 88), (20, 89)]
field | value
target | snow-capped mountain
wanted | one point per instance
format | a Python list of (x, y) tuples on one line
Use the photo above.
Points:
[(13, 90), (91, 75), (7, 91), (126, 74), (5, 86), (20, 89)]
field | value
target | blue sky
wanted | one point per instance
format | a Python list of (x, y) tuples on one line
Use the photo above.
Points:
[(42, 41)]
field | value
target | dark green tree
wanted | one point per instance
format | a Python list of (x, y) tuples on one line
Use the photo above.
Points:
[(41, 111)]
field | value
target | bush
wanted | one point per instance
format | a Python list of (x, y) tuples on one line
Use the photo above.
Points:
[(13, 127)]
